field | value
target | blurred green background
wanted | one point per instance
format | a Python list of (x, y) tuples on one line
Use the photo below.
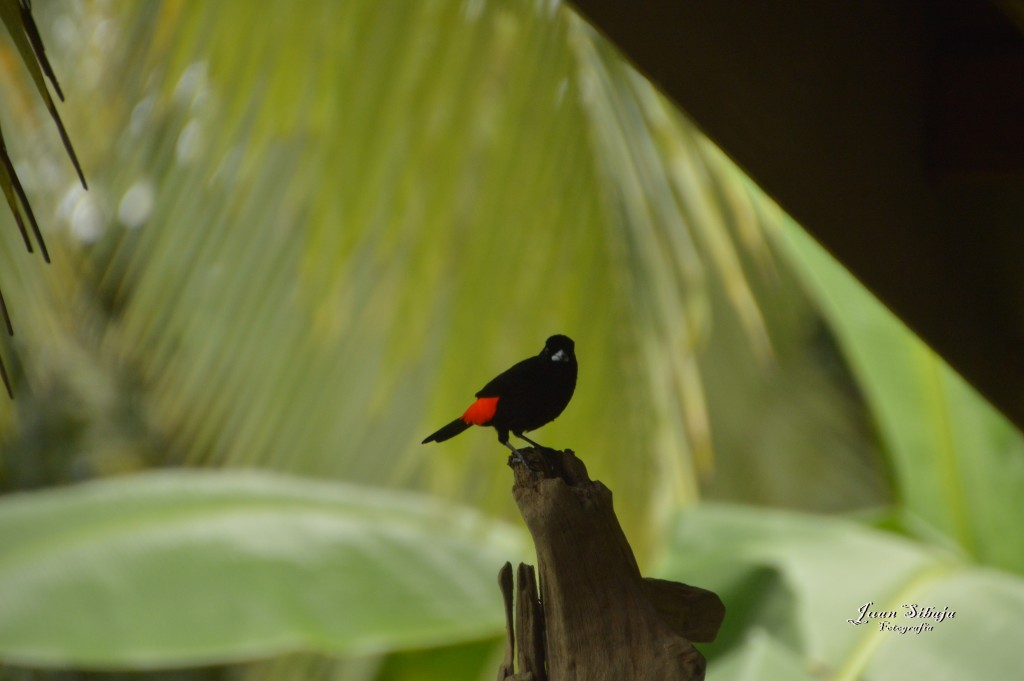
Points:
[(314, 230)]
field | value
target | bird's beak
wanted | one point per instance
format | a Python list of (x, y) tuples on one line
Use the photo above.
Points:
[(560, 356)]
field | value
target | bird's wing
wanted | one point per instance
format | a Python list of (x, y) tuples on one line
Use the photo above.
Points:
[(510, 380)]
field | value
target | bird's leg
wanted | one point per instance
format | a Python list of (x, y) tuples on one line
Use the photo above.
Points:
[(523, 437), (517, 454), (503, 439)]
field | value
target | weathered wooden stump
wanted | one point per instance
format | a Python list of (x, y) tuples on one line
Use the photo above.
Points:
[(596, 618)]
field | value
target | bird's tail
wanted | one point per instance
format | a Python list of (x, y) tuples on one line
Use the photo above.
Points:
[(449, 431)]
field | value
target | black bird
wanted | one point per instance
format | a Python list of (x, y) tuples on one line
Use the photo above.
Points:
[(523, 398)]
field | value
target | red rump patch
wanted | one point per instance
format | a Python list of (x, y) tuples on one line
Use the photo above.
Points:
[(481, 412)]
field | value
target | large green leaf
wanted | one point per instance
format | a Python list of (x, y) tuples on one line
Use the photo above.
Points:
[(470, 662), (760, 657), (958, 463), (179, 568), (798, 579)]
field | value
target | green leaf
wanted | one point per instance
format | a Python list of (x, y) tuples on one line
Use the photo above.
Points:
[(802, 577), (180, 568), (958, 463), (759, 658), (467, 662)]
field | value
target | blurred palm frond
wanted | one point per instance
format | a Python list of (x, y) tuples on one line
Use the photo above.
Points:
[(21, 27)]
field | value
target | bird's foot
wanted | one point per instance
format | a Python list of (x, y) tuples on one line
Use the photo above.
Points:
[(517, 457)]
